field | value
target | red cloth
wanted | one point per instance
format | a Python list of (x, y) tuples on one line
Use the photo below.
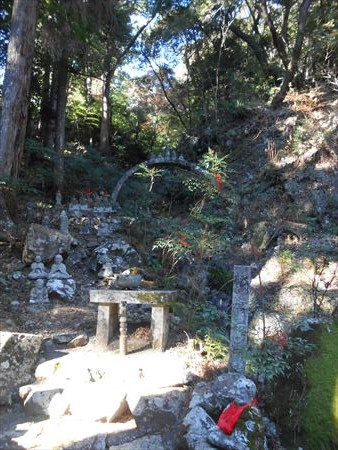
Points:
[(230, 416)]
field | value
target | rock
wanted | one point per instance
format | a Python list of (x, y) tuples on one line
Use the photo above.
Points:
[(46, 242), (18, 356), (273, 324), (65, 289), (17, 275), (213, 396), (128, 281), (79, 341), (7, 325), (198, 426), (96, 442), (25, 390), (64, 368), (243, 391), (154, 442), (248, 434), (100, 401), (63, 338), (156, 410), (39, 398), (7, 229), (261, 235)]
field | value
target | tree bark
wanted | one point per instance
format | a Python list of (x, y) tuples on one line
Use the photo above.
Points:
[(48, 104), (106, 113), (60, 138), (258, 50), (292, 68), (16, 85)]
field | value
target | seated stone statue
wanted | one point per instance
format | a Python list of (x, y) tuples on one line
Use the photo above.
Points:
[(39, 293), (58, 270), (37, 269)]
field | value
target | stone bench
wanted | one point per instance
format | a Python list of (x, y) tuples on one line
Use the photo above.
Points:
[(112, 310)]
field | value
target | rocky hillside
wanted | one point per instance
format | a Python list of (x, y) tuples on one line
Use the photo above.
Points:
[(280, 215)]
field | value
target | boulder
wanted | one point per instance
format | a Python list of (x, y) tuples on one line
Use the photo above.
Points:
[(39, 398), (100, 401), (157, 409), (64, 289), (128, 281), (79, 341), (153, 442), (213, 396), (45, 242), (198, 426), (18, 356), (248, 434)]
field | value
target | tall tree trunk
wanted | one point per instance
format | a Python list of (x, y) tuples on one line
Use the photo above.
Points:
[(258, 50), (16, 85), (48, 104), (106, 114), (292, 68), (49, 138), (60, 138)]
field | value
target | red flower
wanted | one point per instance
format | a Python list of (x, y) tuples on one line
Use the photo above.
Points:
[(182, 240), (219, 181), (280, 338)]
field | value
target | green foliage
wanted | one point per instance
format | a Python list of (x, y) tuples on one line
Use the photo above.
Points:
[(149, 172), (273, 358), (213, 163), (288, 261), (81, 112), (319, 417), (220, 279), (214, 344), (85, 167)]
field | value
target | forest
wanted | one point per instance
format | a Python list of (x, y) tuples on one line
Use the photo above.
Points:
[(208, 129)]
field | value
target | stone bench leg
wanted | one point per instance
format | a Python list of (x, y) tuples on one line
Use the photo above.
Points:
[(160, 326), (107, 323)]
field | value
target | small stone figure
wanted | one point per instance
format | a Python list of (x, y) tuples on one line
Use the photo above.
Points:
[(106, 269), (64, 222), (233, 431), (58, 199), (104, 229), (37, 269), (39, 293), (58, 270), (46, 221)]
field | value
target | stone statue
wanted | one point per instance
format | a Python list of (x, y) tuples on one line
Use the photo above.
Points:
[(37, 269), (46, 222), (106, 269), (64, 222), (39, 293), (58, 270), (233, 431), (58, 199)]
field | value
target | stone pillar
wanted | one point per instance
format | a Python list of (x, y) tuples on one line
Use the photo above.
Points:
[(160, 326), (107, 323), (239, 319), (123, 328)]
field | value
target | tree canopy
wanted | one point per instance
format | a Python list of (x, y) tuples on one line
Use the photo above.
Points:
[(195, 64)]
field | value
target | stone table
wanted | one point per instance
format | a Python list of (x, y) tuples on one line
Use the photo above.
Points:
[(112, 309)]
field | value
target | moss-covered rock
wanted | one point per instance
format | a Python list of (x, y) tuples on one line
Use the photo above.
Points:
[(319, 416)]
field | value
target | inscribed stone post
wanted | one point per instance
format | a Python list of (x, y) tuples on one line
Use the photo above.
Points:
[(239, 319)]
